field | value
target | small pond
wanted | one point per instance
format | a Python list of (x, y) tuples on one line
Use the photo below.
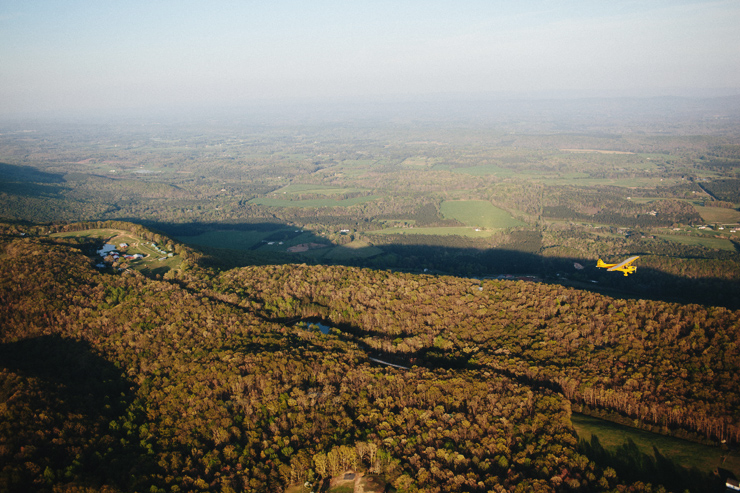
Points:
[(313, 325)]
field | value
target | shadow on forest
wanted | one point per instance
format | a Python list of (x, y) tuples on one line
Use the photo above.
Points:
[(631, 465), (441, 256), (15, 173), (26, 181), (79, 392)]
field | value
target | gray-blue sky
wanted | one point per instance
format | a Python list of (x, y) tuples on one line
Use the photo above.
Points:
[(89, 55)]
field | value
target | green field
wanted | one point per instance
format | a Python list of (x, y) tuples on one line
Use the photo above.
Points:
[(683, 452), (232, 240), (718, 214), (460, 231), (713, 243), (356, 249), (281, 239), (478, 214), (93, 233), (644, 200)]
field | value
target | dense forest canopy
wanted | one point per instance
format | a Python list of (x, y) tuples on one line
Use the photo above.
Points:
[(205, 381), (236, 334)]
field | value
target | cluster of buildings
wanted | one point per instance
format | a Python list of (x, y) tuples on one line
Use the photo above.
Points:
[(109, 250), (161, 252)]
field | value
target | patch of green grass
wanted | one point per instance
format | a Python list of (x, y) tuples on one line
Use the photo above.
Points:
[(644, 200), (683, 452), (90, 233), (233, 240), (478, 214), (718, 214), (256, 239), (712, 243), (156, 266), (470, 232), (356, 249), (342, 488)]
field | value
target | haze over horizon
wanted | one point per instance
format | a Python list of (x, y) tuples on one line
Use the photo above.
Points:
[(89, 58)]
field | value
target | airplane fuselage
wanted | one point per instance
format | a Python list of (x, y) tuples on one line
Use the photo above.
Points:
[(625, 267)]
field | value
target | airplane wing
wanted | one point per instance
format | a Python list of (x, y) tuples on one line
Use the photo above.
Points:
[(624, 264)]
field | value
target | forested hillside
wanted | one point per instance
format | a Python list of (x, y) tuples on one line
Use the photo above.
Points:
[(207, 381)]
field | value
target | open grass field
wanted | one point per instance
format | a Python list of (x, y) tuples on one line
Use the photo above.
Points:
[(713, 243), (463, 231), (233, 240), (341, 488), (157, 266), (277, 238), (718, 214), (103, 234), (644, 200), (328, 202), (683, 452), (356, 249), (478, 214), (281, 239)]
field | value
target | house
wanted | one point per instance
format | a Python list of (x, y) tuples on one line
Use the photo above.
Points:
[(123, 245)]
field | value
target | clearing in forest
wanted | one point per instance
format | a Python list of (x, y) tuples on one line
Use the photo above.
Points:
[(156, 258), (718, 214), (711, 243), (688, 454), (478, 214)]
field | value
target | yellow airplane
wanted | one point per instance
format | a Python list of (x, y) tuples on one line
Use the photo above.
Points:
[(621, 267)]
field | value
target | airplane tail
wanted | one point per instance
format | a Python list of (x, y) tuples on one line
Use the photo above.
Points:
[(601, 264)]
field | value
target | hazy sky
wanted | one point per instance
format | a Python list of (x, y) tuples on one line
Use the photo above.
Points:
[(103, 55)]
